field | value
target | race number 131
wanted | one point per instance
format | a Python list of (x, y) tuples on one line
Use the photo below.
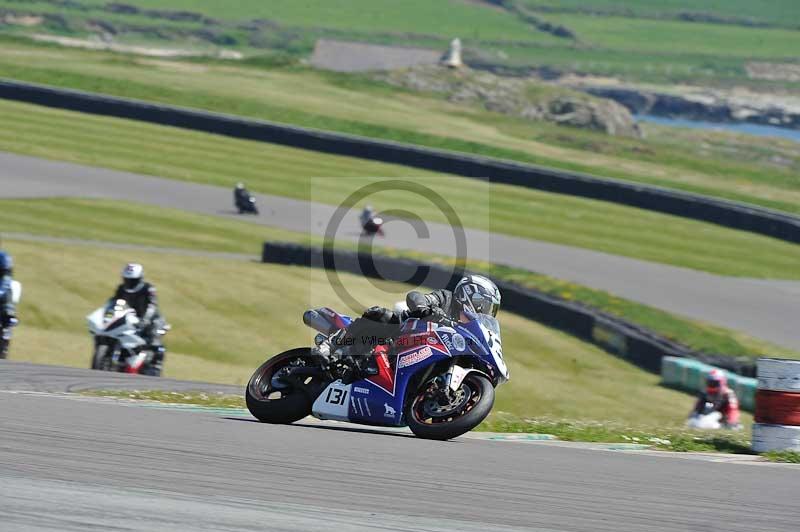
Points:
[(336, 396)]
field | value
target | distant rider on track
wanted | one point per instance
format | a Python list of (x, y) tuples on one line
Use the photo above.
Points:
[(141, 297)]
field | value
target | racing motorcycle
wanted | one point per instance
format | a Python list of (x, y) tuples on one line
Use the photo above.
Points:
[(373, 226), (438, 379), (5, 332), (247, 205), (709, 418), (118, 345)]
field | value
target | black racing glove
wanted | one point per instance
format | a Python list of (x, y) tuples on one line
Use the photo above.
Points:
[(378, 314), (419, 306), (438, 315)]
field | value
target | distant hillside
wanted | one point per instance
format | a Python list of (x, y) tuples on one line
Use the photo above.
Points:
[(639, 40)]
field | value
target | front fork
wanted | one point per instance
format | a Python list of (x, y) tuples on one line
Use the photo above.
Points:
[(450, 382)]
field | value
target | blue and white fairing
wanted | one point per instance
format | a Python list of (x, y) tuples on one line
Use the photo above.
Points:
[(379, 399)]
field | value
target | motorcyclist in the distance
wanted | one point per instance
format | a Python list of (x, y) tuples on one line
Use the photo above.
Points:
[(366, 215), (474, 294), (8, 311), (141, 297), (240, 195), (722, 397), (371, 223)]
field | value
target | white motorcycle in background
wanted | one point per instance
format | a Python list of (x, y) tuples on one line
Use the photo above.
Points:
[(708, 419), (118, 346)]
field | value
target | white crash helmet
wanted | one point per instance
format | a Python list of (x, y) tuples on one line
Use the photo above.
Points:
[(132, 275), (478, 295)]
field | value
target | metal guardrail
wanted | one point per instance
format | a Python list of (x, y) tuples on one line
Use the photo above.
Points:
[(636, 344), (731, 214)]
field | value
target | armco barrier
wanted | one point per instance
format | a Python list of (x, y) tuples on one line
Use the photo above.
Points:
[(727, 213), (638, 345), (690, 375)]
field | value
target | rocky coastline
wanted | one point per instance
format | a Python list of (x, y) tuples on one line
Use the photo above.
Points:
[(712, 105)]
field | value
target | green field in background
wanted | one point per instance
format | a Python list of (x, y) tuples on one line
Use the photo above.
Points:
[(662, 45), (778, 12), (737, 167)]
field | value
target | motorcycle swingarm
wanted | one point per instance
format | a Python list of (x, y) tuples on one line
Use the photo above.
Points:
[(297, 377)]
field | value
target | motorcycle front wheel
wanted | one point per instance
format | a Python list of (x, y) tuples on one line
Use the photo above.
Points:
[(270, 400), (101, 359), (435, 417), (3, 345)]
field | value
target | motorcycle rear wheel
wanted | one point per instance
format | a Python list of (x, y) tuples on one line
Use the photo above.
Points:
[(291, 404), (432, 420)]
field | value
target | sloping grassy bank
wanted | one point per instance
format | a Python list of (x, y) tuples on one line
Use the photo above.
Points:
[(72, 218), (228, 316)]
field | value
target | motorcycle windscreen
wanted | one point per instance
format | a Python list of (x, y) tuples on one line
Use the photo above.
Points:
[(489, 331)]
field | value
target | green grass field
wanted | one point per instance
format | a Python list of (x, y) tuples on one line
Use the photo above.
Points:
[(681, 38), (660, 43), (777, 12), (737, 167), (203, 158), (228, 316), (73, 218), (368, 16)]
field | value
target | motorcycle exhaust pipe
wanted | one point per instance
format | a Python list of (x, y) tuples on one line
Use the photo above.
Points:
[(318, 322)]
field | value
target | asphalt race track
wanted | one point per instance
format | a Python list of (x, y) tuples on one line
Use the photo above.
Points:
[(765, 309), (76, 464)]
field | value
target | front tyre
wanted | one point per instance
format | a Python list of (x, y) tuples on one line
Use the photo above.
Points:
[(101, 358), (270, 400), (436, 417)]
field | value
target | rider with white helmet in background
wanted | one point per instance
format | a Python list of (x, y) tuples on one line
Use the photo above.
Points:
[(474, 294), (141, 297)]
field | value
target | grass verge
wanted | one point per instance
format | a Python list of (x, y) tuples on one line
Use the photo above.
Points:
[(216, 400), (790, 457), (670, 438), (202, 158)]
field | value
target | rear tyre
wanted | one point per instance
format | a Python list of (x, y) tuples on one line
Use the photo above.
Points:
[(271, 401), (101, 359), (430, 417)]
